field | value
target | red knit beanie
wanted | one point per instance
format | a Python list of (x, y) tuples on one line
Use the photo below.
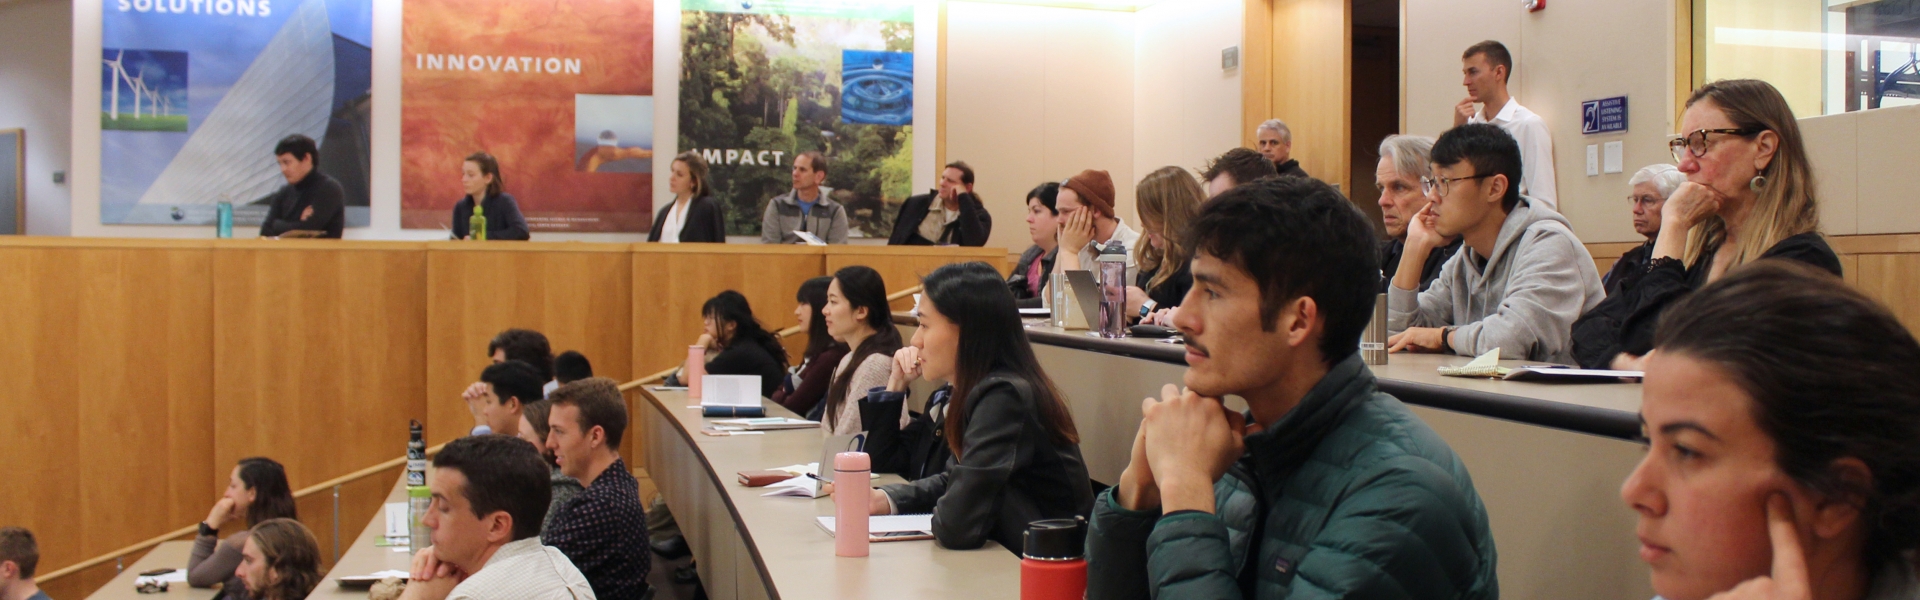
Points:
[(1095, 188)]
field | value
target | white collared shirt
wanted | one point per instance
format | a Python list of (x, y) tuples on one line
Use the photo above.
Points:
[(1536, 150), (1127, 237), (525, 570), (676, 220)]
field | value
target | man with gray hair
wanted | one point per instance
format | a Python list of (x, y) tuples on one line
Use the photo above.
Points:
[(1275, 141), (1651, 186), (1403, 161)]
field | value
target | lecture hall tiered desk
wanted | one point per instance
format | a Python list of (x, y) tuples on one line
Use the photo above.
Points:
[(362, 336)]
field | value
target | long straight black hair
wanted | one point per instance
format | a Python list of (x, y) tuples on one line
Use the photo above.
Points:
[(813, 293), (731, 308), (976, 299), (863, 288)]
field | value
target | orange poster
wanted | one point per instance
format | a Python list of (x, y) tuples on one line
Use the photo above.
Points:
[(560, 93)]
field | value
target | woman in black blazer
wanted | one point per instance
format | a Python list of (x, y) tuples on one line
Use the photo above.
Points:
[(1014, 455), (693, 215)]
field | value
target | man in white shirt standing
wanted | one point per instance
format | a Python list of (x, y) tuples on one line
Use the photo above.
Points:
[(1486, 67), (490, 494)]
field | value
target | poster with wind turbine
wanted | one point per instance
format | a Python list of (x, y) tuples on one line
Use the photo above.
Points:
[(143, 90)]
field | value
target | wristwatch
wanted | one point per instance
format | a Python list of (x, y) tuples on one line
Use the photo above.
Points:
[(205, 530), (1147, 309), (1446, 337)]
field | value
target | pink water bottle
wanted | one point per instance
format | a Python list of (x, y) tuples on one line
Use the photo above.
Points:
[(852, 493), (695, 370)]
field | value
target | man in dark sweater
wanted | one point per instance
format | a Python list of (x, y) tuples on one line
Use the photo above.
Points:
[(311, 201), (1275, 140), (953, 215)]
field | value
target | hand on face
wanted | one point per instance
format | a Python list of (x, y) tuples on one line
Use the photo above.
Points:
[(221, 513), (1076, 231), (1463, 111), (1788, 579), (1690, 204), (906, 368), (430, 578), (1423, 230)]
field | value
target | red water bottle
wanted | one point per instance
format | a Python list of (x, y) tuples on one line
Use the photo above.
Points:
[(1053, 565)]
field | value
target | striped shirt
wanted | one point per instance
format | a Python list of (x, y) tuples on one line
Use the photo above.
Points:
[(525, 570)]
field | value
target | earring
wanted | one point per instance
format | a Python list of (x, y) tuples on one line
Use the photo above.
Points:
[(1758, 183)]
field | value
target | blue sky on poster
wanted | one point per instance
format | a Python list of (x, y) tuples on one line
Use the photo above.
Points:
[(219, 49)]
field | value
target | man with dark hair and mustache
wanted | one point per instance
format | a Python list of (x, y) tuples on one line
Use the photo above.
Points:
[(1344, 492)]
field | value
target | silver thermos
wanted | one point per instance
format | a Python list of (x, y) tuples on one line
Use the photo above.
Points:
[(1373, 343), (1057, 290)]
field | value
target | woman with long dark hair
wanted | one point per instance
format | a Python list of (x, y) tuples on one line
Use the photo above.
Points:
[(693, 215), (257, 491), (857, 315), (1016, 454), (1780, 412), (801, 390), (281, 561), (736, 343), (480, 179)]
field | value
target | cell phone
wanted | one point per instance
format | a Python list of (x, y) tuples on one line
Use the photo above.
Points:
[(157, 572)]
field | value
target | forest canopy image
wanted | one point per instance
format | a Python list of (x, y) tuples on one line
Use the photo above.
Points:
[(762, 82)]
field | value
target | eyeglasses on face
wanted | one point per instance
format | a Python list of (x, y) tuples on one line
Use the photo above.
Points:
[(1695, 142), (1443, 185)]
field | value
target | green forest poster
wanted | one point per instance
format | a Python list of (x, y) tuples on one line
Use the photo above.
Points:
[(763, 81)]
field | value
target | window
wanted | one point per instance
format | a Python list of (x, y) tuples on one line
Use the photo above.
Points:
[(1826, 56)]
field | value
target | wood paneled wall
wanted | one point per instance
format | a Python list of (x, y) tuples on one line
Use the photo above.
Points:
[(1299, 69), (1885, 267), (142, 370)]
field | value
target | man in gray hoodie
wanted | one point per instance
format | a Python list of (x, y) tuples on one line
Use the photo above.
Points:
[(807, 207), (1521, 280)]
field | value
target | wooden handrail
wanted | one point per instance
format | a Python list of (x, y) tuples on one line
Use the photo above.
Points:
[(358, 475), (195, 528), (790, 331)]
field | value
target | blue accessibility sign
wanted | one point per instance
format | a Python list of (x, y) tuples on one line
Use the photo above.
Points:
[(1606, 115)]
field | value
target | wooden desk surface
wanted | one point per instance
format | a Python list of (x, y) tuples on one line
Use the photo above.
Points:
[(795, 555), (167, 554), (362, 557), (1608, 409)]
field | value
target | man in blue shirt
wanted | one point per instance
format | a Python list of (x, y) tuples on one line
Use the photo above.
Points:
[(19, 556)]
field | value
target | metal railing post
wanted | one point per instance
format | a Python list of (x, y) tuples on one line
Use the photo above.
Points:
[(336, 523), (119, 564)]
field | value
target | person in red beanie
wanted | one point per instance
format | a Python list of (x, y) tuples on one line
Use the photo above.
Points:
[(1087, 222)]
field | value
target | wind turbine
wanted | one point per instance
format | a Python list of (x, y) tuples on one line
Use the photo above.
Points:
[(119, 71), (140, 90)]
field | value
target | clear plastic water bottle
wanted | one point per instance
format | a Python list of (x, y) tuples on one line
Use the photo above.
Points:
[(1057, 298), (224, 218), (1113, 290), (477, 225)]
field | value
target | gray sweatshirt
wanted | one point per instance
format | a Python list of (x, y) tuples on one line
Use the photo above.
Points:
[(827, 220), (1523, 299)]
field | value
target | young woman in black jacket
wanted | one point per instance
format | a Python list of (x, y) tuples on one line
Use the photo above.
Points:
[(737, 344), (693, 215), (1015, 452)]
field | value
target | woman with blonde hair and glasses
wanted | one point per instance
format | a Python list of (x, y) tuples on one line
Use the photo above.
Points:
[(1748, 196), (1166, 198)]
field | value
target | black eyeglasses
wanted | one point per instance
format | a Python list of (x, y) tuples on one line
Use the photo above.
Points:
[(1696, 142), (1445, 184)]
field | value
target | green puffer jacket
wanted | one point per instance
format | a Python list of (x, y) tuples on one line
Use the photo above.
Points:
[(1360, 500)]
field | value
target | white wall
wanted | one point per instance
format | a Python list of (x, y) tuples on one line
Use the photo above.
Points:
[(1570, 52), (1036, 94), (385, 176), (1186, 108), (34, 97)]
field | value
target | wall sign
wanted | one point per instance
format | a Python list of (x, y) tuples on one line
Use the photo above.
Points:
[(1606, 115)]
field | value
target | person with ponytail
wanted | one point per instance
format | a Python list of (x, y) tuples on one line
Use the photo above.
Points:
[(1015, 451), (737, 344), (1748, 196)]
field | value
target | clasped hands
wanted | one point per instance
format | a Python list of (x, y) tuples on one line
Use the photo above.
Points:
[(1185, 443), (430, 578)]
